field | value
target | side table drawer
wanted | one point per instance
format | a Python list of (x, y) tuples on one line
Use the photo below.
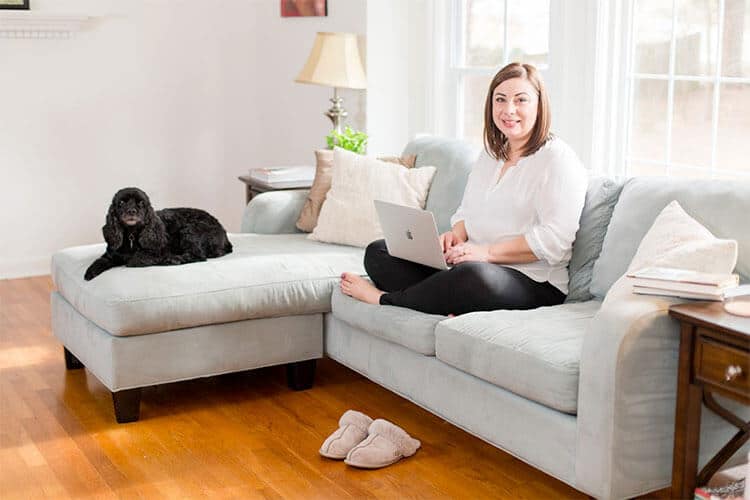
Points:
[(723, 366)]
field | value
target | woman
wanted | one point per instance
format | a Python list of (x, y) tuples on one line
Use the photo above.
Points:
[(512, 235)]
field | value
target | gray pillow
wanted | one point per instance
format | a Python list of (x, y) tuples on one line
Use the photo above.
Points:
[(601, 197)]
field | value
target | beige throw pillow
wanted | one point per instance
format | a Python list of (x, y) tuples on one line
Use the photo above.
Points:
[(308, 217), (677, 240), (408, 161), (348, 215)]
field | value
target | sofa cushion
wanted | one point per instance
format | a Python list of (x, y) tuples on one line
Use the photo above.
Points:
[(411, 329), (601, 197), (265, 276), (719, 205), (453, 159), (533, 353)]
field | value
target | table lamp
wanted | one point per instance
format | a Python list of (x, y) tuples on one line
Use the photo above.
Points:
[(334, 62)]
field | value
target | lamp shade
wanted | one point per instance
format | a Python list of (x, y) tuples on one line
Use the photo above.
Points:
[(334, 62)]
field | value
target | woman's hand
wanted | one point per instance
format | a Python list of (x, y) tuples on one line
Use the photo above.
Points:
[(468, 252), (448, 240)]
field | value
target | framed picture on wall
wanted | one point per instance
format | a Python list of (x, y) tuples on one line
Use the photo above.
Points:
[(303, 8), (14, 4)]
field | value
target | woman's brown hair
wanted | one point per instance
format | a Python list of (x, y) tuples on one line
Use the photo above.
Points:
[(495, 142)]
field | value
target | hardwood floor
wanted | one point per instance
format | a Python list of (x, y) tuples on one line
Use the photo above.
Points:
[(243, 435)]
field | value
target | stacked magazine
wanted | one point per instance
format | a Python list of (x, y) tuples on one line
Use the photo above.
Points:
[(683, 283), (284, 177)]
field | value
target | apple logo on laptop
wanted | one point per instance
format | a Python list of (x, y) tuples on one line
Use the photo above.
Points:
[(409, 235)]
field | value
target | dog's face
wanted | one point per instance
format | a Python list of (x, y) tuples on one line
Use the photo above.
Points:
[(131, 206)]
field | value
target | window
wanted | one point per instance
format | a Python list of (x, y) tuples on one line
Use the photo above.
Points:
[(487, 35), (689, 81)]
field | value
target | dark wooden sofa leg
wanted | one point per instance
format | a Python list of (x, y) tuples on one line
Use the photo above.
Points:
[(71, 362), (300, 375), (127, 405)]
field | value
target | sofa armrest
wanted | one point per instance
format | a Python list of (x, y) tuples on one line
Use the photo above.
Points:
[(627, 397), (274, 212)]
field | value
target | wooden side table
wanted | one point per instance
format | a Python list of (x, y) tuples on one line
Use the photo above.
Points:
[(714, 358), (253, 187)]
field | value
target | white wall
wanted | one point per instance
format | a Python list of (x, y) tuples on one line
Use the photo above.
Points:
[(291, 115), (399, 57), (570, 80), (175, 97)]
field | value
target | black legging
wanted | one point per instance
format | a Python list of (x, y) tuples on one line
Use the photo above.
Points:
[(467, 287)]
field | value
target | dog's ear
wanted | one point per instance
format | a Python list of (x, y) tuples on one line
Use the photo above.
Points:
[(112, 229), (153, 237)]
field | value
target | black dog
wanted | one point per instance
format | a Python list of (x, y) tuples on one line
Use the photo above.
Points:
[(137, 236)]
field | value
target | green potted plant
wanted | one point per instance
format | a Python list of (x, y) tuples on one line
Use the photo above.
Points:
[(349, 139)]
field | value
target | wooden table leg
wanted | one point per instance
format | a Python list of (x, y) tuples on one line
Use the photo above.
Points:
[(687, 421)]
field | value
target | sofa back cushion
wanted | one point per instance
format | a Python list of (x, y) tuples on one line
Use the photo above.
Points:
[(721, 206), (453, 160), (601, 196)]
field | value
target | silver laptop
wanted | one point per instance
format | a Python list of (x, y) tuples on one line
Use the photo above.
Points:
[(411, 234)]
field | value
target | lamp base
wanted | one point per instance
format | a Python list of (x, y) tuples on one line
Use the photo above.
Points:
[(337, 113)]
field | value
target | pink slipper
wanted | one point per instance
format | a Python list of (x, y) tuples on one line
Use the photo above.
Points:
[(386, 444), (352, 430)]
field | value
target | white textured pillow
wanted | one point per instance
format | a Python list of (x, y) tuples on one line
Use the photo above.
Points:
[(677, 240), (348, 215)]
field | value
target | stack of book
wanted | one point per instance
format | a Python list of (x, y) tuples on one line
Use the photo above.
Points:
[(284, 177), (683, 283)]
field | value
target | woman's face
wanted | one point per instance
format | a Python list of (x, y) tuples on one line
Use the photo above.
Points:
[(514, 108)]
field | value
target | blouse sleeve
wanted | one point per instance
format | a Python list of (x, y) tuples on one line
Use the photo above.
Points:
[(460, 213), (559, 204)]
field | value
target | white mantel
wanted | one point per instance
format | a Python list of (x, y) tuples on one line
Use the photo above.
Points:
[(30, 24)]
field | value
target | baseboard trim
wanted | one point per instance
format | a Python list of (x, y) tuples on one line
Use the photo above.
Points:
[(23, 268)]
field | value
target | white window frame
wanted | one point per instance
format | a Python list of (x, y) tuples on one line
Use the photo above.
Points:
[(671, 77), (457, 71), (568, 75), (590, 80)]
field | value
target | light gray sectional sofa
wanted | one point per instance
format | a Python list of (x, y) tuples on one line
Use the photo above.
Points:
[(584, 394)]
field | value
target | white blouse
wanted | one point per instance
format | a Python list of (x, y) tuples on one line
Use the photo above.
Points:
[(541, 198)]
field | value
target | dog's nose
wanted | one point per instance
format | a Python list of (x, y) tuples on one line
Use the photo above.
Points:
[(132, 211)]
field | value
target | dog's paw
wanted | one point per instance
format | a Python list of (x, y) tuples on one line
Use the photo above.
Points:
[(91, 273)]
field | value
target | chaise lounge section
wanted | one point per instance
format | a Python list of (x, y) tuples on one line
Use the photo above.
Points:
[(260, 306), (582, 393)]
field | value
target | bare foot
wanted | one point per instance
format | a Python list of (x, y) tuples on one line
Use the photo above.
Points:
[(356, 286)]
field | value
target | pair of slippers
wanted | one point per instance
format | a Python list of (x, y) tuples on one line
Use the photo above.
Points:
[(366, 443)]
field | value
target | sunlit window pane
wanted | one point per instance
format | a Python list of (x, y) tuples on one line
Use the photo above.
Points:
[(689, 172), (696, 38), (636, 168), (653, 35), (648, 126), (691, 123), (735, 57), (528, 31), (734, 124), (474, 93), (484, 32)]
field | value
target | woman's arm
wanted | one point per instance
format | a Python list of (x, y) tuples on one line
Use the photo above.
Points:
[(459, 229), (455, 236), (558, 206), (514, 251)]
